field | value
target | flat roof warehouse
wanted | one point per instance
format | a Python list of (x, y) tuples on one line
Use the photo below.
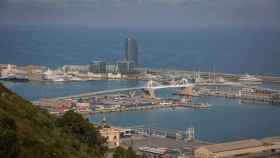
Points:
[(245, 148)]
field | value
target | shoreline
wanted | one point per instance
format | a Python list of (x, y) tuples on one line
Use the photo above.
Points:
[(43, 74)]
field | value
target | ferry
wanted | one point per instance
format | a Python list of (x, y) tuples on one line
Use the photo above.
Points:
[(249, 79)]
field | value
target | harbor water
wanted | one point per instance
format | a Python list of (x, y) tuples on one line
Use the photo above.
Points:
[(225, 120)]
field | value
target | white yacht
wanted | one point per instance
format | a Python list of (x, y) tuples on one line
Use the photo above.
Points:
[(76, 79), (58, 80), (249, 79)]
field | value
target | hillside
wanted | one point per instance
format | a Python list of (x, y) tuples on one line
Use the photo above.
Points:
[(29, 132)]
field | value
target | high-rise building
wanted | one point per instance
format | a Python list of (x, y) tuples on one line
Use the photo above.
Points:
[(131, 50)]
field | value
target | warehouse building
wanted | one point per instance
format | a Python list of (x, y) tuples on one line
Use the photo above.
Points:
[(241, 149)]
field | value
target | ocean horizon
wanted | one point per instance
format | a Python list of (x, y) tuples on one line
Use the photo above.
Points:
[(235, 50)]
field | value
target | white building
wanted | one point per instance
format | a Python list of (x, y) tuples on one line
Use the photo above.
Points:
[(75, 68), (56, 76), (8, 71), (114, 76)]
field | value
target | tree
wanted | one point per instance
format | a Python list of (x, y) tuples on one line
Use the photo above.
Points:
[(83, 130), (9, 146), (26, 131), (123, 153)]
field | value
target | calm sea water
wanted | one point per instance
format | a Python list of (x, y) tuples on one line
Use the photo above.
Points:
[(229, 50), (236, 51)]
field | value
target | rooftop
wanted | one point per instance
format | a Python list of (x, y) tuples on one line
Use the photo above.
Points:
[(236, 145)]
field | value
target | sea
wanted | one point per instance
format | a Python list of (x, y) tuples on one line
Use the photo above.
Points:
[(231, 50)]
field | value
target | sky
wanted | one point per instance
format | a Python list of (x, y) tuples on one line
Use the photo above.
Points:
[(143, 13)]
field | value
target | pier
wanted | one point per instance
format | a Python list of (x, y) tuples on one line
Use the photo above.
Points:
[(151, 85), (246, 94), (140, 108)]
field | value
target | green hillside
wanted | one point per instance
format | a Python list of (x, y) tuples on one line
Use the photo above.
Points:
[(29, 132)]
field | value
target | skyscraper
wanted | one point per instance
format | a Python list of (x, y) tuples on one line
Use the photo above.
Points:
[(131, 50)]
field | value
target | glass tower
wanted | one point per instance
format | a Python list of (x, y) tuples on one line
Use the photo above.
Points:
[(131, 50)]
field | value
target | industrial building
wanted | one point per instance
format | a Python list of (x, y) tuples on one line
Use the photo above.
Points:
[(250, 148)]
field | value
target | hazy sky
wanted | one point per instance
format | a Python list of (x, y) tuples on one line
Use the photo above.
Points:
[(143, 13)]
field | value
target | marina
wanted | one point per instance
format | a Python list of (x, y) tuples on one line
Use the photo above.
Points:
[(207, 122), (150, 104), (139, 79)]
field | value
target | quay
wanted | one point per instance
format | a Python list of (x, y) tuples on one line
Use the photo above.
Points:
[(246, 94), (108, 104), (153, 143), (158, 146), (140, 108)]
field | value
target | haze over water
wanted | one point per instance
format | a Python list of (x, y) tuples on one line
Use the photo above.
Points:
[(230, 50)]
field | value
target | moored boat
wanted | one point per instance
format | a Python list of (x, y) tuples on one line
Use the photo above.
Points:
[(249, 79)]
